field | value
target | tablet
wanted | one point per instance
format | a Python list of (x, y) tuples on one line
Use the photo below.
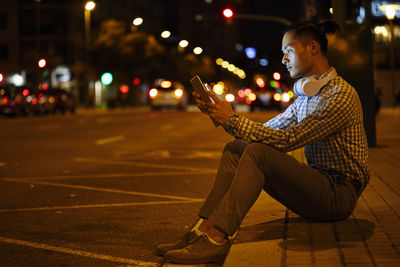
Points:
[(200, 88)]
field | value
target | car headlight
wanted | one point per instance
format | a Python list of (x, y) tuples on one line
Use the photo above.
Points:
[(153, 93), (178, 93), (229, 97)]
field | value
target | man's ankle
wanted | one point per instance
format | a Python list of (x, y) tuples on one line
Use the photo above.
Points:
[(216, 235), (205, 226)]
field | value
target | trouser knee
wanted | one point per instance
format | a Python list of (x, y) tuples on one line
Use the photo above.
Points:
[(235, 146), (258, 152)]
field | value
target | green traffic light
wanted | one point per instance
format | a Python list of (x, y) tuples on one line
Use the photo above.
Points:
[(106, 78)]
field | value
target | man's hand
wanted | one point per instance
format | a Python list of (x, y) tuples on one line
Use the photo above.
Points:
[(200, 103), (221, 110)]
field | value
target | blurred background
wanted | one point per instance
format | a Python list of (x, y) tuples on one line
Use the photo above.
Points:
[(112, 53)]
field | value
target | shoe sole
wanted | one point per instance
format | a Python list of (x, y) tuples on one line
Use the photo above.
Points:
[(214, 259)]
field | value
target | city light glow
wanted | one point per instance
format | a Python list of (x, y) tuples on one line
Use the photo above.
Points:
[(218, 89), (137, 21), (251, 52), (229, 97), (197, 50), (166, 84), (264, 62), (153, 93), (42, 63), (276, 76), (228, 13), (225, 64), (285, 97), (252, 97), (183, 43), (390, 12), (219, 61), (178, 93), (260, 82), (165, 34), (90, 5), (17, 79), (277, 97), (124, 89), (106, 78)]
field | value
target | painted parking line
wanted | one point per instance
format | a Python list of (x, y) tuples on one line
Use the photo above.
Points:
[(140, 164), (76, 252), (107, 175), (109, 140), (101, 205), (101, 189)]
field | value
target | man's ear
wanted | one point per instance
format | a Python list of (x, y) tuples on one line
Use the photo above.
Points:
[(314, 47)]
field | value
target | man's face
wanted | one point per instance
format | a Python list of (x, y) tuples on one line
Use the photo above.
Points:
[(296, 56)]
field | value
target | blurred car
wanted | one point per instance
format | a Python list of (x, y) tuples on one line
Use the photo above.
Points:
[(16, 101), (265, 100), (30, 99), (168, 94), (53, 100)]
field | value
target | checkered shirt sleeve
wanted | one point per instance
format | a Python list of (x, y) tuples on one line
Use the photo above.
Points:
[(329, 126)]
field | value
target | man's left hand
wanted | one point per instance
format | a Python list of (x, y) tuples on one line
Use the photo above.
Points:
[(221, 110)]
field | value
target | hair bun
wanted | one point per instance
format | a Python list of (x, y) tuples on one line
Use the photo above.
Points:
[(328, 26)]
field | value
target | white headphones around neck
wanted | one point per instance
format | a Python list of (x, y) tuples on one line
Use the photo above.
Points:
[(311, 86)]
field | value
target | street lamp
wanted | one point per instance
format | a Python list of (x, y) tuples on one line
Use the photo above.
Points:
[(390, 11), (183, 43), (165, 34), (90, 5), (137, 21)]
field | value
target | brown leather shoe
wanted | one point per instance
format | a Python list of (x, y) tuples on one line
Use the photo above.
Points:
[(186, 239), (201, 250)]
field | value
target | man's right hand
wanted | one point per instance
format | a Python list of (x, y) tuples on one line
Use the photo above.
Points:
[(200, 103)]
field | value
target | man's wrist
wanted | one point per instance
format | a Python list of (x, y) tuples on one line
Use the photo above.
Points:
[(232, 121)]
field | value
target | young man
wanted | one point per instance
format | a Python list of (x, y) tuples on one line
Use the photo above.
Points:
[(326, 119)]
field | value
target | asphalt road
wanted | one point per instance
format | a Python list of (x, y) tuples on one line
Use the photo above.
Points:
[(102, 188)]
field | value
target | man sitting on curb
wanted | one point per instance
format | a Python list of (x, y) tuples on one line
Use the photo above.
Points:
[(326, 119)]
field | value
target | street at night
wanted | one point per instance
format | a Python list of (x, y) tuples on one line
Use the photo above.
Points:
[(250, 133), (114, 184)]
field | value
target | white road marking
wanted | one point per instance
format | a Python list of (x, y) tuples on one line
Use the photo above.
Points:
[(108, 175), (101, 205), (109, 190), (139, 164), (76, 252), (109, 140)]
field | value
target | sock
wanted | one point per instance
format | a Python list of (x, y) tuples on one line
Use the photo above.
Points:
[(233, 236), (213, 241), (196, 227)]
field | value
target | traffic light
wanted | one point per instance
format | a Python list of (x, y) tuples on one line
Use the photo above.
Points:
[(228, 13), (136, 81), (124, 89), (42, 63), (1, 77), (106, 78), (276, 75)]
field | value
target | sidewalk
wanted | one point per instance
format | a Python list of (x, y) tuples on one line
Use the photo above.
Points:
[(370, 237)]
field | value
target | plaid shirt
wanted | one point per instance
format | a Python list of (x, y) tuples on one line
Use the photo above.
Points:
[(328, 125)]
